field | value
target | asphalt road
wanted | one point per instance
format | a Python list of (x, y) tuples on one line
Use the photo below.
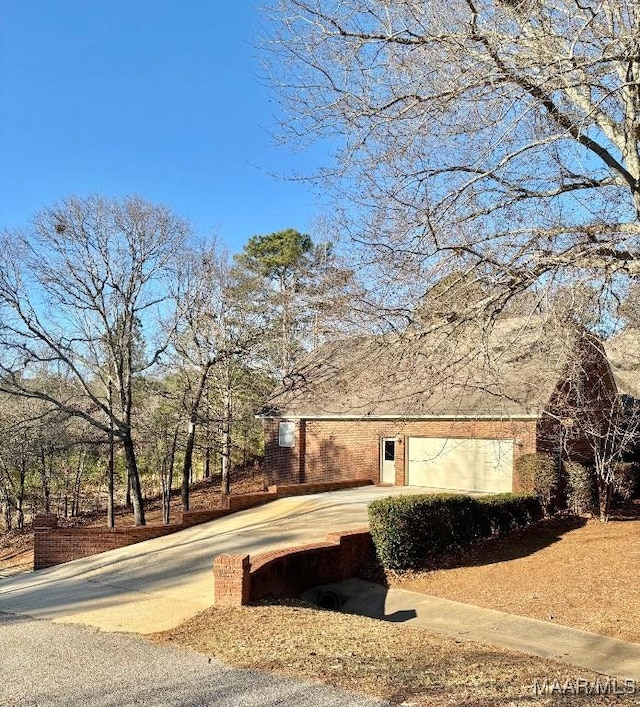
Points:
[(46, 664)]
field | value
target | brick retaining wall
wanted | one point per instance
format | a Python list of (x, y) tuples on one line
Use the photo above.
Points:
[(239, 579), (54, 545)]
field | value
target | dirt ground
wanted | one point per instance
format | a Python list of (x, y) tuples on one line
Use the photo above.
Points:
[(386, 660)]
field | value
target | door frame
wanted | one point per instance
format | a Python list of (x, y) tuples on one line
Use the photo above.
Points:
[(388, 464)]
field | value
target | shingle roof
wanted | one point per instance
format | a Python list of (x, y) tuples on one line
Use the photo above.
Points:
[(449, 371), (623, 352)]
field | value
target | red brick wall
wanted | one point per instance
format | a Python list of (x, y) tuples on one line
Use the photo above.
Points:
[(289, 572), (350, 449), (53, 545), (231, 580)]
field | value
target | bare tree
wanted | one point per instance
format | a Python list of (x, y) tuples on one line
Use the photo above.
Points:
[(218, 327), (81, 295), (590, 418), (159, 425), (496, 138)]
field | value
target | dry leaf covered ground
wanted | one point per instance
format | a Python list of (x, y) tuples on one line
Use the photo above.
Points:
[(574, 572), (571, 571), (386, 660)]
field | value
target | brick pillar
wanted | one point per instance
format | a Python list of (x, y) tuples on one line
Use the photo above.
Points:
[(43, 521), (42, 526), (401, 461), (302, 451), (231, 580)]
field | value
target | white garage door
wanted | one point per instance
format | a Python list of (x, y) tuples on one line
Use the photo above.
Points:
[(461, 464)]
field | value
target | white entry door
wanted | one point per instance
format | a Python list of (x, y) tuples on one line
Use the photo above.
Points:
[(461, 464), (388, 460)]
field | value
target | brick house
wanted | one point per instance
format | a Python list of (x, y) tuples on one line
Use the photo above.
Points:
[(450, 408)]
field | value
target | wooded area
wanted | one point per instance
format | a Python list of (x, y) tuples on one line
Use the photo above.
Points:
[(133, 357)]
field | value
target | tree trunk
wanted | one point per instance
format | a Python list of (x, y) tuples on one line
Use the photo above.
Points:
[(605, 491), (133, 480), (207, 462), (111, 521), (191, 436), (6, 510), (77, 485), (20, 496), (186, 467), (226, 440), (46, 490), (167, 482)]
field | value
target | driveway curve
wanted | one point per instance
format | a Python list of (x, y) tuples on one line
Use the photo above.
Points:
[(157, 584)]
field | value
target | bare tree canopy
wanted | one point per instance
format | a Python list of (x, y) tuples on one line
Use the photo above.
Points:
[(504, 133), (81, 297)]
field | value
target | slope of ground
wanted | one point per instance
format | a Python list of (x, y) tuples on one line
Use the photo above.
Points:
[(16, 546), (571, 571), (577, 573)]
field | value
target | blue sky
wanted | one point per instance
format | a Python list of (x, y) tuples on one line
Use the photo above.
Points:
[(162, 99)]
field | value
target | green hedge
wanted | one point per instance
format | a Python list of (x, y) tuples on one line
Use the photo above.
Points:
[(581, 488), (540, 474), (408, 530)]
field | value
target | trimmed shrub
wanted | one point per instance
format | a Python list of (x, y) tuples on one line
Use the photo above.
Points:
[(409, 530), (625, 481), (581, 488), (507, 511), (540, 474)]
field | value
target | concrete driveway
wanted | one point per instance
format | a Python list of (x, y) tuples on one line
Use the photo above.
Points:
[(157, 584)]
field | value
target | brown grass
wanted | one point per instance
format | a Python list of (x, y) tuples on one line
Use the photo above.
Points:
[(577, 573), (385, 660)]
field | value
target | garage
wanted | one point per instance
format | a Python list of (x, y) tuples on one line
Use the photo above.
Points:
[(461, 464)]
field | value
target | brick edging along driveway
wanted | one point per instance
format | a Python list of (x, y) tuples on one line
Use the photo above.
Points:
[(54, 546)]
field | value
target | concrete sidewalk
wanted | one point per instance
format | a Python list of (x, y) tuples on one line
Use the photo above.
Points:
[(547, 640)]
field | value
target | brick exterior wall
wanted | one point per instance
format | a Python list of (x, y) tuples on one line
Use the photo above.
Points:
[(287, 573), (54, 545), (350, 449)]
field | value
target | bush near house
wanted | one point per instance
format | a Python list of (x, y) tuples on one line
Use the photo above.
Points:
[(581, 488), (408, 531), (540, 474)]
